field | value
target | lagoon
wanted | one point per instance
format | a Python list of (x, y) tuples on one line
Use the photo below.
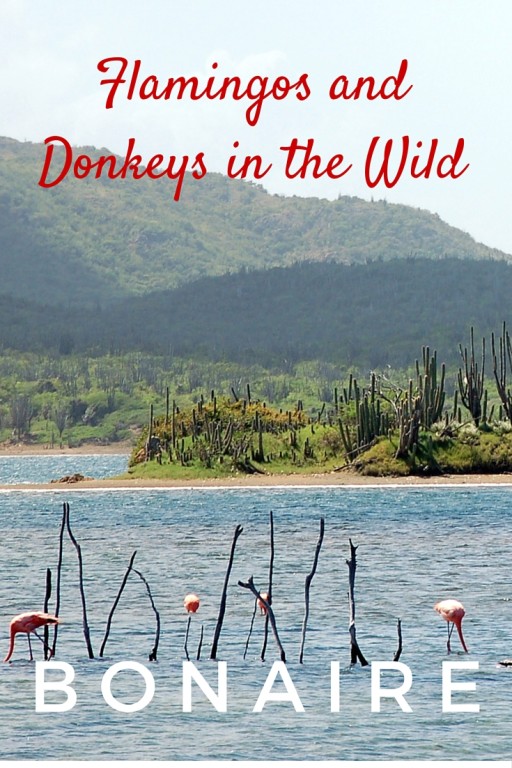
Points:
[(416, 545)]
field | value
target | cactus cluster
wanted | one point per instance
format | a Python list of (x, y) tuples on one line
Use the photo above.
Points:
[(371, 419), (216, 431), (502, 363), (471, 381), (409, 411), (430, 388)]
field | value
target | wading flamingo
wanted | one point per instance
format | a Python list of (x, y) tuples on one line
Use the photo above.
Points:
[(262, 608), (26, 623), (453, 612), (191, 603)]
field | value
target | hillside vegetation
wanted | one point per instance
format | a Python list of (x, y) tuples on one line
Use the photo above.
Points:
[(364, 316), (274, 334), (92, 240)]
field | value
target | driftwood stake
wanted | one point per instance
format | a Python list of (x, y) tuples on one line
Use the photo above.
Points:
[(116, 602), (48, 594), (154, 652), (270, 612), (222, 608), (250, 628), (355, 651), (399, 633), (200, 645), (269, 590), (59, 573), (307, 586), (76, 545), (185, 645)]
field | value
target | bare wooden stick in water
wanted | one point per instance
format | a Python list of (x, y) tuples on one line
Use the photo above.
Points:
[(270, 612), (198, 655), (154, 652), (250, 628), (307, 586), (87, 634), (399, 632), (185, 646), (355, 651), (269, 591), (222, 608), (116, 602), (46, 605), (59, 573)]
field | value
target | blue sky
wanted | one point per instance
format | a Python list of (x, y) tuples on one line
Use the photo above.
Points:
[(459, 64)]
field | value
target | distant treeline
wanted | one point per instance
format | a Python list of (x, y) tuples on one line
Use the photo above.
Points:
[(367, 316)]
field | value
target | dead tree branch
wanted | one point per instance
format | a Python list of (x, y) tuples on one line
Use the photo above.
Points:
[(153, 654), (46, 605), (307, 586), (59, 573), (250, 628), (355, 651), (76, 545), (185, 644), (269, 591), (116, 602), (399, 633), (200, 645), (270, 612), (222, 607)]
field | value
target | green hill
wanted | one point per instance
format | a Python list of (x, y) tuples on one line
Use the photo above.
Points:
[(93, 240), (367, 315)]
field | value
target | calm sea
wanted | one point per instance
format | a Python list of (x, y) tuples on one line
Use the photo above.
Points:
[(44, 469), (415, 547)]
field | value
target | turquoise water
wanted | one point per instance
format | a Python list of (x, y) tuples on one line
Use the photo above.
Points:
[(415, 547)]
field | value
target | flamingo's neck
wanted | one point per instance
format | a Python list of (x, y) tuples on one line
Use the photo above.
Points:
[(11, 646), (458, 624)]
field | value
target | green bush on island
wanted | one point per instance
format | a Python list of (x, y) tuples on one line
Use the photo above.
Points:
[(220, 436), (481, 450)]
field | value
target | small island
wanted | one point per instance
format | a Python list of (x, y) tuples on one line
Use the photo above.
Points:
[(380, 429)]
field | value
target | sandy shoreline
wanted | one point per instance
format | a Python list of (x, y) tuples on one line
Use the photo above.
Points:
[(334, 480), (23, 449)]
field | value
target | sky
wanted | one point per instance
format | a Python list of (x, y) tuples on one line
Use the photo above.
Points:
[(459, 63)]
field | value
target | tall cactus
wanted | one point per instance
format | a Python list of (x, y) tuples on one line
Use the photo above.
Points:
[(430, 390), (471, 380), (409, 411), (500, 370), (370, 420)]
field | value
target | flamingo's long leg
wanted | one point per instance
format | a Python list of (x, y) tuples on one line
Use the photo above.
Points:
[(30, 647), (450, 630), (46, 646)]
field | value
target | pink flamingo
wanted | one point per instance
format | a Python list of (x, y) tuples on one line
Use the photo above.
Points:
[(26, 623), (453, 612), (191, 603), (261, 606)]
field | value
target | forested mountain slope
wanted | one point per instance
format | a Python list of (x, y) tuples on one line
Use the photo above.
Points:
[(89, 241), (368, 315)]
